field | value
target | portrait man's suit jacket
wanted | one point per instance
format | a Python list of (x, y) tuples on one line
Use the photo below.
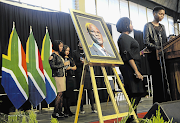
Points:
[(95, 51)]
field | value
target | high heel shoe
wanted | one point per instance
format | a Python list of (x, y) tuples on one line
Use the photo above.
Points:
[(66, 114), (58, 115)]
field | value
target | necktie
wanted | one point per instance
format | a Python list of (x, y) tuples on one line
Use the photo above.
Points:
[(105, 52)]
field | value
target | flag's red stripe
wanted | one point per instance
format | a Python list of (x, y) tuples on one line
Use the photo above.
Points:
[(40, 62), (23, 55)]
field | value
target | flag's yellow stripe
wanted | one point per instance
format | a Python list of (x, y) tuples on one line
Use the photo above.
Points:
[(8, 56), (42, 50), (27, 51)]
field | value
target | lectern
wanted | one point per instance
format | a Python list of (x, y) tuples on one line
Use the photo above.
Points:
[(172, 56)]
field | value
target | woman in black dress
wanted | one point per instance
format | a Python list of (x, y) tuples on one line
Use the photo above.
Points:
[(70, 82), (130, 53), (151, 40), (79, 57)]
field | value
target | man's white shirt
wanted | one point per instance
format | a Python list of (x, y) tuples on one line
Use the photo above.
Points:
[(100, 49)]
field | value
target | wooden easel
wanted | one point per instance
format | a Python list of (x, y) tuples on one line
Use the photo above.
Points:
[(109, 89)]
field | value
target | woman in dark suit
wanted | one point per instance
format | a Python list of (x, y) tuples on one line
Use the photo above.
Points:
[(70, 82), (130, 53), (151, 36), (57, 65)]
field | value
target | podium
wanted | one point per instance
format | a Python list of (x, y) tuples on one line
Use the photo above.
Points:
[(172, 57)]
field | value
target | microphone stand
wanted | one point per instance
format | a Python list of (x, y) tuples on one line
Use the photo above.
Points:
[(161, 64)]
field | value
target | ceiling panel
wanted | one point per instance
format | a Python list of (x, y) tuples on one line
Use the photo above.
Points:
[(179, 7), (171, 4), (165, 3)]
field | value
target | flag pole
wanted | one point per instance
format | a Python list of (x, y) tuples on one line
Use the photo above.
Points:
[(30, 29), (46, 29), (13, 25), (12, 30), (47, 32), (30, 33)]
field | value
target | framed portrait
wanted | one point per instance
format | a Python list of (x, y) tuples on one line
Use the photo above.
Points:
[(96, 40)]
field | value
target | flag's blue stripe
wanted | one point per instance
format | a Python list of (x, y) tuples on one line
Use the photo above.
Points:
[(12, 90), (50, 94), (34, 96)]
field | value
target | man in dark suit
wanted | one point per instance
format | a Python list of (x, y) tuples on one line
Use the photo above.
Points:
[(97, 47), (79, 56)]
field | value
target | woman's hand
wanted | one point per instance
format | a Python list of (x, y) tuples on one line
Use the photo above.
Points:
[(69, 68), (66, 63), (145, 50), (138, 75), (72, 68)]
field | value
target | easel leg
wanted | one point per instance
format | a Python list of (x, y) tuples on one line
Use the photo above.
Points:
[(80, 94), (125, 94), (96, 95), (110, 90)]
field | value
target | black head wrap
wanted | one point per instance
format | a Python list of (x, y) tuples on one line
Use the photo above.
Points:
[(123, 25)]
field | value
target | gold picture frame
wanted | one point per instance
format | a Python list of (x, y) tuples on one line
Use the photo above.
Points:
[(95, 56)]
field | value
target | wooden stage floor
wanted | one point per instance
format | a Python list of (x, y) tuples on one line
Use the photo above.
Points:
[(44, 116)]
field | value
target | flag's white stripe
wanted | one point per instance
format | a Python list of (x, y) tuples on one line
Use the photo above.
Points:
[(36, 85), (37, 62), (16, 81), (50, 82), (20, 60), (50, 47)]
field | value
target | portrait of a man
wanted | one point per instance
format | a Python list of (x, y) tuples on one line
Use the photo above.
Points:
[(97, 47), (96, 40)]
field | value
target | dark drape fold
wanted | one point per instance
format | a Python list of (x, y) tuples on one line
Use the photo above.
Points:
[(59, 24), (138, 35)]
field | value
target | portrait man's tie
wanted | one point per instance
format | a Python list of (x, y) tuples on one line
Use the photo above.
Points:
[(107, 54)]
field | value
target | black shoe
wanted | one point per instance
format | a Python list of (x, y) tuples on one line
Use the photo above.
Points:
[(94, 111), (66, 114), (130, 119), (82, 112), (57, 115), (61, 115)]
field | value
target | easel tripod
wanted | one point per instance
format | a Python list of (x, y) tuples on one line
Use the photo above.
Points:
[(109, 89)]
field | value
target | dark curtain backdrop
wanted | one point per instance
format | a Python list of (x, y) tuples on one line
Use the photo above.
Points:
[(60, 26)]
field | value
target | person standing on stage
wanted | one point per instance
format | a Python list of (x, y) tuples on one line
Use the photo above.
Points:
[(70, 82), (79, 58), (151, 33), (57, 65), (130, 54)]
